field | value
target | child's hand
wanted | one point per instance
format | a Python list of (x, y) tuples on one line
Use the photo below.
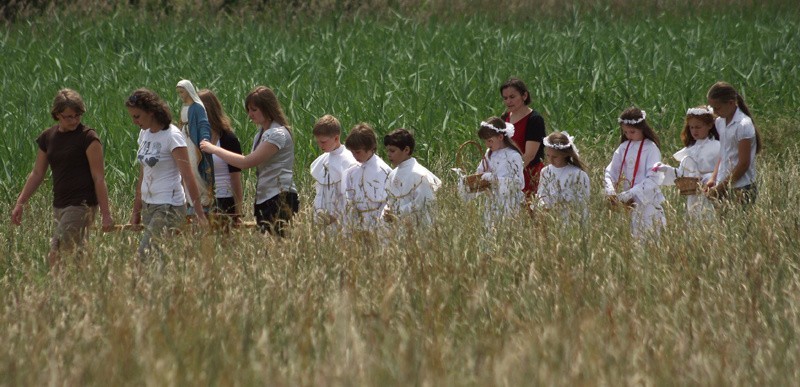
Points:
[(659, 167), (487, 176)]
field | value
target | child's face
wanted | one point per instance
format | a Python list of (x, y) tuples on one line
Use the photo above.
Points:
[(495, 143), (632, 133), (68, 119), (362, 155), (256, 115), (698, 128), (555, 157), (327, 143), (397, 155), (724, 109)]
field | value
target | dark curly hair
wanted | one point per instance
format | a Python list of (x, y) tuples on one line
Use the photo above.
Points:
[(150, 102)]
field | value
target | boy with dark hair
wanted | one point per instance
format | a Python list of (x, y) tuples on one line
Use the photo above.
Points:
[(410, 187)]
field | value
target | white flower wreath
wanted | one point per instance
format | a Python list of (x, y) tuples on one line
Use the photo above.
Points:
[(569, 144), (700, 111), (508, 130), (633, 122)]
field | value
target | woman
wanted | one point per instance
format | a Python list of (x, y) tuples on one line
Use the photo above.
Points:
[(160, 202), (529, 131), (74, 154)]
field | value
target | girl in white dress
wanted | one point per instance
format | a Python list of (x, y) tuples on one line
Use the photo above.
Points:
[(698, 159), (629, 178), (502, 168), (563, 184)]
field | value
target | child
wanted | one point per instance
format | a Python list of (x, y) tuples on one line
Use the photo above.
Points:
[(160, 202), (328, 171), (228, 190), (273, 157), (630, 181), (75, 156), (196, 128), (739, 143), (365, 183), (698, 158), (410, 187), (564, 184), (503, 169)]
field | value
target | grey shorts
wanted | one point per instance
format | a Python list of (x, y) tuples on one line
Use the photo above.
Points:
[(71, 226)]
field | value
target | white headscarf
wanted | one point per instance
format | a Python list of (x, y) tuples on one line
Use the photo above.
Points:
[(187, 85)]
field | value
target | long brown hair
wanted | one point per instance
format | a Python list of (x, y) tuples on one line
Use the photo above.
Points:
[(485, 133), (636, 114), (265, 100), (558, 138), (220, 123), (150, 102), (708, 119), (724, 92)]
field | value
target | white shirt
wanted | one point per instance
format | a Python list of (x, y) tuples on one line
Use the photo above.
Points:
[(222, 177), (276, 174), (740, 128), (411, 191), (161, 179), (505, 196), (645, 189), (566, 188), (328, 173), (365, 191)]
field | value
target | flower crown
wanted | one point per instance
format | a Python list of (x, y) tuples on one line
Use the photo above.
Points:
[(701, 111), (570, 143), (634, 121), (508, 130)]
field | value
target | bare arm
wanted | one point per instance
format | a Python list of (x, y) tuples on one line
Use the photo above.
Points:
[(181, 156), (531, 148), (31, 184), (97, 168), (136, 215), (238, 192), (262, 153)]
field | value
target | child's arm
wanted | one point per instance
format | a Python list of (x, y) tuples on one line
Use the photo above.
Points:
[(612, 173), (741, 167)]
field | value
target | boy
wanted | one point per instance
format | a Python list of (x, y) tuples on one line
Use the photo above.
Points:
[(328, 171), (410, 187), (365, 183)]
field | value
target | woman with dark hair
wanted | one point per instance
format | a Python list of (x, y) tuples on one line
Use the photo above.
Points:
[(160, 202), (529, 131)]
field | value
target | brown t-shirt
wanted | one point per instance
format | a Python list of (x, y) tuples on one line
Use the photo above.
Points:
[(66, 155)]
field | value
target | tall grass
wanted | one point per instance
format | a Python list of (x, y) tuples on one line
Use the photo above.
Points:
[(533, 303)]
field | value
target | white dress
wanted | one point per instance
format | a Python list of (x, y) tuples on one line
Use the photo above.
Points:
[(624, 179), (365, 192), (565, 190), (505, 197), (411, 192), (328, 173), (697, 160)]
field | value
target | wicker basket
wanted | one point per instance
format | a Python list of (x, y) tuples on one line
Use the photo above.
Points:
[(473, 182), (688, 185)]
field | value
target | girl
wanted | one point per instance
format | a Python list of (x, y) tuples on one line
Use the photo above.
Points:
[(160, 201), (273, 157), (227, 178), (739, 143), (503, 169), (628, 178), (75, 156), (698, 158), (528, 130), (564, 184), (195, 127)]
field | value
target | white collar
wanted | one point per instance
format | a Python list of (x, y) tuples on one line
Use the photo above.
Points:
[(408, 163)]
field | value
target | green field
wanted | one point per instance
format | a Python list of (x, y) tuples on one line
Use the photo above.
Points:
[(534, 304)]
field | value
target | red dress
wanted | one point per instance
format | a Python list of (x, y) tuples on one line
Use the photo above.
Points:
[(529, 128)]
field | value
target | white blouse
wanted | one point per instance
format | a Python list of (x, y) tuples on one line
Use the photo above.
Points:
[(565, 188), (624, 179), (365, 192), (328, 173)]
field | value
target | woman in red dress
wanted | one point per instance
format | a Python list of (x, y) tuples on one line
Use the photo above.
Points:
[(529, 130)]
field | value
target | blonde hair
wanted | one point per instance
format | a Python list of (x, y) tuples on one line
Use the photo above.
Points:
[(327, 125)]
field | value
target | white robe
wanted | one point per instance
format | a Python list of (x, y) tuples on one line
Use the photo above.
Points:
[(647, 216), (504, 197), (697, 160), (328, 173), (410, 191), (565, 190), (365, 191)]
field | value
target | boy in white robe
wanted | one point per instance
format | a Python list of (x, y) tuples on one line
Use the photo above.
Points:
[(410, 187), (328, 173), (365, 183)]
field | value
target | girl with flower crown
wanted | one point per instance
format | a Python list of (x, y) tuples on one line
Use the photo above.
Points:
[(564, 184), (502, 168), (629, 179), (698, 158)]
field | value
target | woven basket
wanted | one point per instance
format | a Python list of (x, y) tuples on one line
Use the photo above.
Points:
[(473, 182), (688, 185)]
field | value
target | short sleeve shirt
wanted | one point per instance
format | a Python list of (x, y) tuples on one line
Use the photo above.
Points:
[(66, 155), (161, 179), (276, 174), (740, 128)]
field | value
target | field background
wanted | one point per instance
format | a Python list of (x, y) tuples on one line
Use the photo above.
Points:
[(533, 303)]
